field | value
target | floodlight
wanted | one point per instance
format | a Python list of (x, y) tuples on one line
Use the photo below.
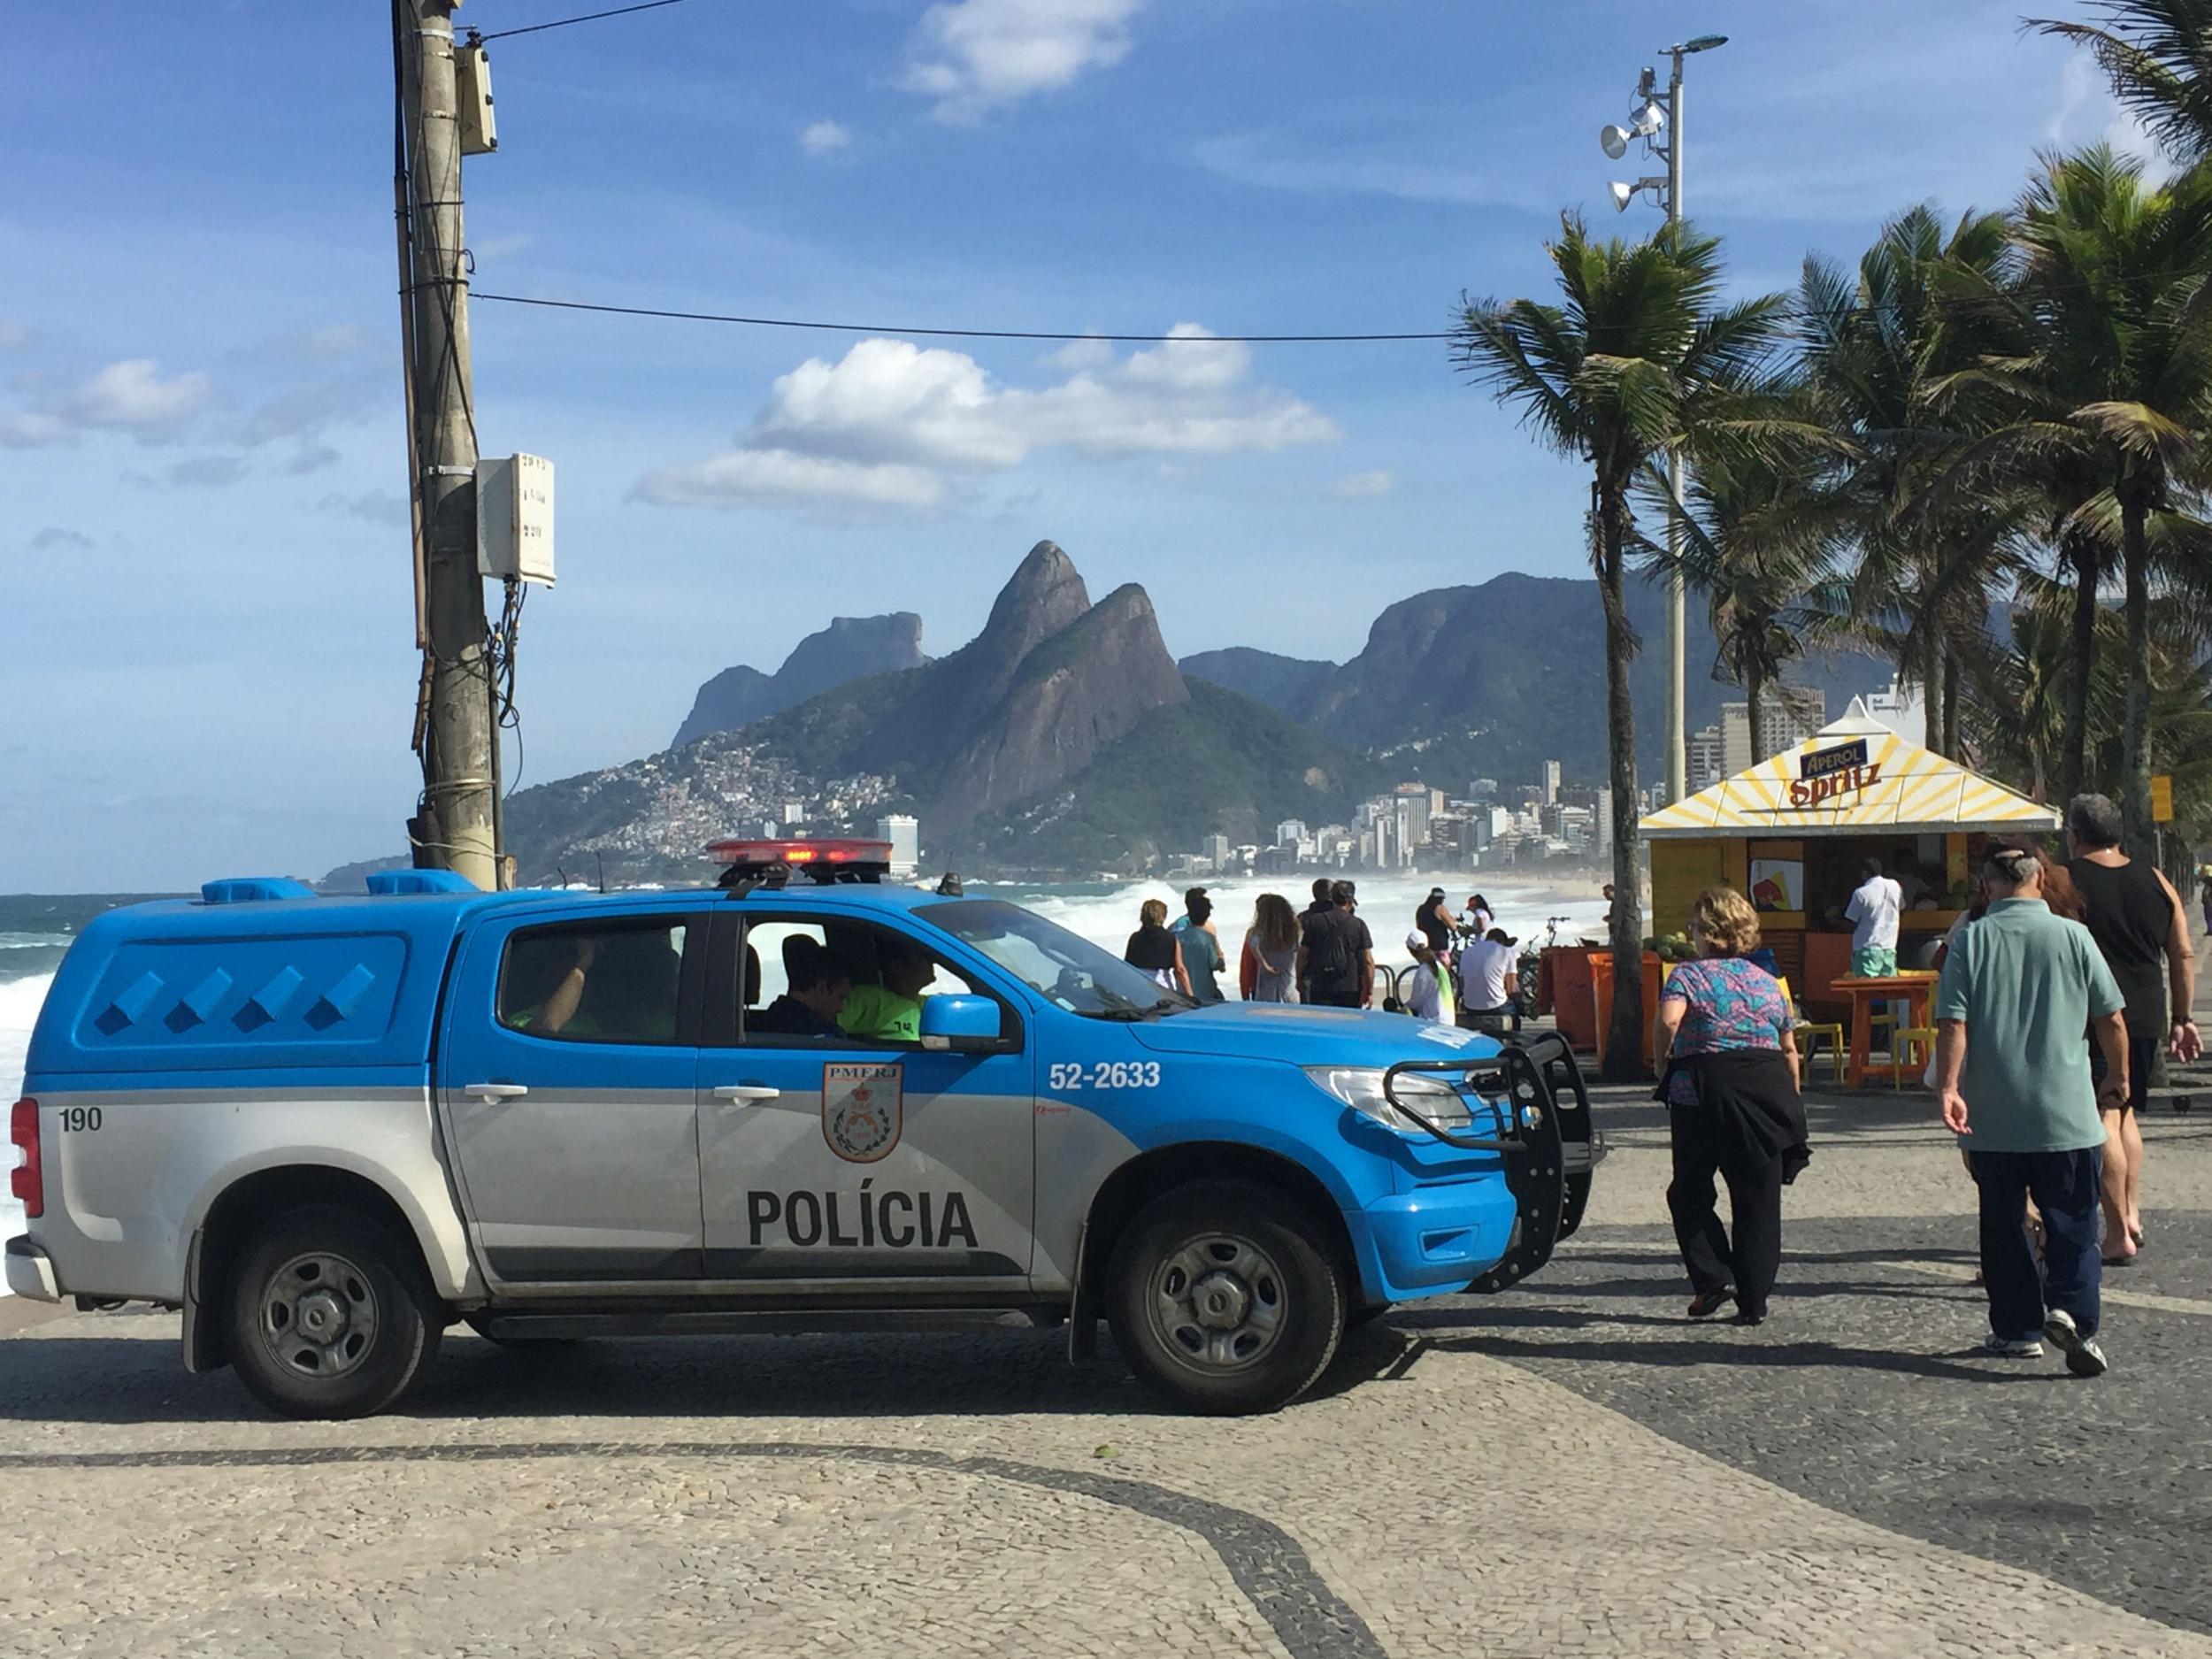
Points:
[(1614, 141), (1646, 122), (1623, 195)]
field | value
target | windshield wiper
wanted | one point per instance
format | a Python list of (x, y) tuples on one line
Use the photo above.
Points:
[(1165, 1005)]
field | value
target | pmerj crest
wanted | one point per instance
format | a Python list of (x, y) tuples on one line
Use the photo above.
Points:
[(862, 1110)]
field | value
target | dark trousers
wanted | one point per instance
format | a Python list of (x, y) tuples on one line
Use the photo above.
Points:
[(1755, 1202), (1334, 998), (2065, 1188)]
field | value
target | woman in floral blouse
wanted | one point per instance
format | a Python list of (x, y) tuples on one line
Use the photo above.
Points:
[(1731, 1093)]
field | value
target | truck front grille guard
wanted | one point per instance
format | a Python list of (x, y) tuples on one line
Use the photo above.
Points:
[(1536, 1119)]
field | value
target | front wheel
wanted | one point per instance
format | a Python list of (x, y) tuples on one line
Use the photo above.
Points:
[(1223, 1299), (329, 1315)]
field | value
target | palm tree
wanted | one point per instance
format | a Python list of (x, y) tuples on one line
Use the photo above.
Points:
[(1879, 342), (2158, 55), (1639, 355), (1762, 535), (2112, 385)]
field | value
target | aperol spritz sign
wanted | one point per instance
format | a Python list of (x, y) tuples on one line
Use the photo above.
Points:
[(1827, 776)]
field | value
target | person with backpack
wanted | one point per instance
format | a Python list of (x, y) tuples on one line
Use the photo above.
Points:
[(1336, 956)]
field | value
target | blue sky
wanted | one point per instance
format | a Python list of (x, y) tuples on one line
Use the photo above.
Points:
[(206, 660)]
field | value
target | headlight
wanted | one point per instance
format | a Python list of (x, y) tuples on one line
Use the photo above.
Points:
[(1361, 1087)]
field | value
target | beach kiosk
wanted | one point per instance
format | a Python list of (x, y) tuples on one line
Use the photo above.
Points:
[(1793, 833)]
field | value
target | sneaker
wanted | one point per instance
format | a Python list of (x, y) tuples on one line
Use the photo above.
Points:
[(2012, 1347), (2083, 1357)]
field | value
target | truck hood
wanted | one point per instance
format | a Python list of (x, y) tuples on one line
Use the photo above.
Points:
[(1304, 1036)]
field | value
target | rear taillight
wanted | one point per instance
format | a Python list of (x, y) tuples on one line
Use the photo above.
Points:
[(28, 1181)]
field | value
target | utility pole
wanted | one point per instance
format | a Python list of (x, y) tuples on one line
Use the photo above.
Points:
[(453, 827)]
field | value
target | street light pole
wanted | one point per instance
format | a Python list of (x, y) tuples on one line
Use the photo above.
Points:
[(1678, 642), (1650, 117)]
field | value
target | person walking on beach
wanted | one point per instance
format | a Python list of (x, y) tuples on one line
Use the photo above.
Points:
[(2137, 918), (1336, 954), (1321, 906), (2013, 1083), (1201, 945), (1429, 986), (1433, 919), (1873, 912), (1155, 950), (1480, 917), (1731, 1089), (1268, 970)]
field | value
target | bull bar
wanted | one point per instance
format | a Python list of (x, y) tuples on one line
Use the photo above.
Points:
[(1533, 1092)]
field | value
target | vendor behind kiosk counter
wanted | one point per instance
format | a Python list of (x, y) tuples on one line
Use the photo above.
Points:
[(1796, 830)]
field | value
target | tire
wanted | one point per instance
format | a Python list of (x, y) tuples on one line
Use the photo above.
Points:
[(1280, 1288), (329, 1315)]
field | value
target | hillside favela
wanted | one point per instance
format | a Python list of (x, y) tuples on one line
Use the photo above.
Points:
[(1079, 828)]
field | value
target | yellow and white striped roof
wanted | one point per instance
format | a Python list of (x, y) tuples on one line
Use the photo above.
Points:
[(1914, 791)]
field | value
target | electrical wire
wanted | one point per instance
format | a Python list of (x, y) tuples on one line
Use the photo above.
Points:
[(948, 333), (588, 17)]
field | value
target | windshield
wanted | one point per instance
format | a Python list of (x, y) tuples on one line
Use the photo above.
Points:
[(1065, 969)]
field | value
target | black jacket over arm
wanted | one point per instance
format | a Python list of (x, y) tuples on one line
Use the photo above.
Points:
[(1757, 1108)]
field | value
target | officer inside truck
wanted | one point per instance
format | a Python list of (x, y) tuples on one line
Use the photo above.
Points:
[(610, 985)]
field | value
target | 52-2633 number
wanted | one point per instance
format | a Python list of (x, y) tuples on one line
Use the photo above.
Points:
[(1105, 1074)]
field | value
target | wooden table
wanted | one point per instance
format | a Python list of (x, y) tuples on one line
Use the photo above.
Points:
[(1914, 990)]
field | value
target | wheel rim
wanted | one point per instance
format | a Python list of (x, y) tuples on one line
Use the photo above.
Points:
[(1218, 1302), (319, 1314)]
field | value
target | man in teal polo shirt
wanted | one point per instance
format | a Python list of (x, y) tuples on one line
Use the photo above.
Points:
[(2019, 988)]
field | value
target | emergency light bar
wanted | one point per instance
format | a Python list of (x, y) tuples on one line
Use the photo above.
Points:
[(825, 861)]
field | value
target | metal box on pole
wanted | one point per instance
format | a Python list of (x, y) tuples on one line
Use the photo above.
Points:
[(472, 99), (514, 518)]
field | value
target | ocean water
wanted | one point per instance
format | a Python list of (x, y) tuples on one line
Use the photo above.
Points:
[(37, 929)]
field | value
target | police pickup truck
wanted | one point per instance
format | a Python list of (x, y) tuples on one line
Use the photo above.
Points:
[(327, 1128)]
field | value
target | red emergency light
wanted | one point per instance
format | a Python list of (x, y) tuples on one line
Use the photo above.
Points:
[(827, 860)]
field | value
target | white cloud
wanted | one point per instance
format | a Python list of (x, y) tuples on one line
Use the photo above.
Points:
[(205, 471), (30, 429), (54, 539), (1364, 486), (825, 138), (975, 56), (131, 395), (738, 477), (889, 417)]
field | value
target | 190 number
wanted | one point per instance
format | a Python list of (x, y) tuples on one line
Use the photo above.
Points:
[(80, 1118), (1118, 1074)]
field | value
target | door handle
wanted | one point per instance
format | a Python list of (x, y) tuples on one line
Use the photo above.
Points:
[(745, 1094), (494, 1091)]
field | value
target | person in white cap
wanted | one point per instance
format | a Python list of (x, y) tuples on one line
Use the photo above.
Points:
[(1429, 986)]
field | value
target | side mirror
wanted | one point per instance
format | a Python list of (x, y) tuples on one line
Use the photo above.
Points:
[(965, 1025)]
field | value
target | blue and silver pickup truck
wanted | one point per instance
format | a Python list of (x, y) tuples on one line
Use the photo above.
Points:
[(328, 1128)]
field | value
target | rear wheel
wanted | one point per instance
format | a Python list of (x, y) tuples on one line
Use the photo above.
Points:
[(330, 1316), (1223, 1299)]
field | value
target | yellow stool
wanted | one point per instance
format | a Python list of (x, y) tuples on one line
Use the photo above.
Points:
[(1905, 1048), (1808, 1032)]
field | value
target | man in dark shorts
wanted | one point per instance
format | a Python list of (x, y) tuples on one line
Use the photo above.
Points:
[(1336, 956), (2137, 919)]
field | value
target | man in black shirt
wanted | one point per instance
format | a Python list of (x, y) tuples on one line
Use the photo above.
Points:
[(817, 995), (1336, 957)]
